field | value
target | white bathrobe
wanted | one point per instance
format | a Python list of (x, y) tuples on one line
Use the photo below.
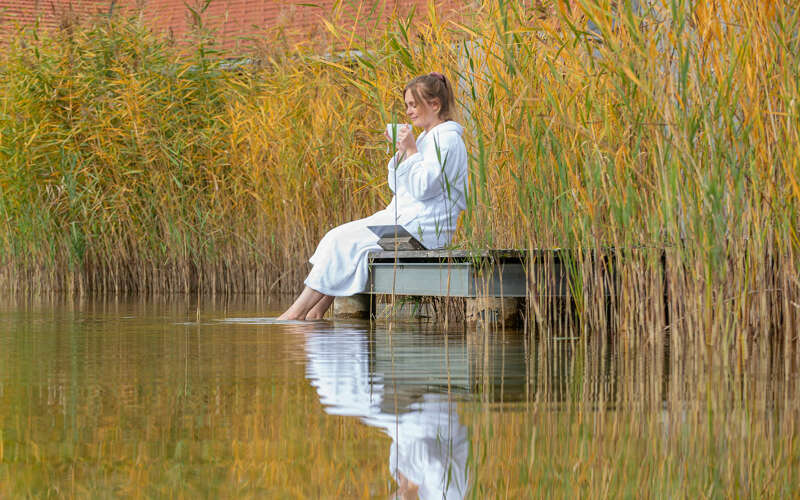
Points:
[(429, 194)]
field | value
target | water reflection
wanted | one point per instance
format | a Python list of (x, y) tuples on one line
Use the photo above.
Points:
[(152, 399), (430, 446)]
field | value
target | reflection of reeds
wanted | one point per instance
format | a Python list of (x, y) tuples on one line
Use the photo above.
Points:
[(109, 399), (151, 409), (613, 417)]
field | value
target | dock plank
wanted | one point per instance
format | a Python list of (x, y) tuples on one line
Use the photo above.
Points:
[(439, 255)]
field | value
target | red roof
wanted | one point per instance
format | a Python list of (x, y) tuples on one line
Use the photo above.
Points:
[(232, 19)]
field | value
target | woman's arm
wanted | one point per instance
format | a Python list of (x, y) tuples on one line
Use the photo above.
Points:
[(437, 168), (406, 152), (396, 171)]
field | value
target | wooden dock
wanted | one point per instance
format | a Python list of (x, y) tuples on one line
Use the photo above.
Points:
[(493, 283), (462, 273)]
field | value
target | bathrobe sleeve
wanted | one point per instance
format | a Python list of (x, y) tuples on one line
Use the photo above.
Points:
[(393, 166), (427, 173)]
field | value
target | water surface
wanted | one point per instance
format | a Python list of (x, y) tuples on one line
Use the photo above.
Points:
[(175, 398)]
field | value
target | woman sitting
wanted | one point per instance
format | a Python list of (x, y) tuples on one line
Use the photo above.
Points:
[(428, 177)]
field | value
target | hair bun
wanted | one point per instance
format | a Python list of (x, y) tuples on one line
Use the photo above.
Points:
[(439, 76)]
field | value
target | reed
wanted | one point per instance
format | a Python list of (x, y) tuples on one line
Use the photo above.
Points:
[(666, 138)]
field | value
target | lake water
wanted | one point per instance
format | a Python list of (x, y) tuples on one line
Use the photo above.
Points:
[(171, 398)]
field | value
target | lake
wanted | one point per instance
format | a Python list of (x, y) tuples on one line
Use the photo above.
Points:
[(180, 398)]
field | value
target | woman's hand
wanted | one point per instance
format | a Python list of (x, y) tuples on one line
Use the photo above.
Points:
[(406, 142)]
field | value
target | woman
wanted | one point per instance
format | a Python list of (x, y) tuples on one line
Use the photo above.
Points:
[(428, 177)]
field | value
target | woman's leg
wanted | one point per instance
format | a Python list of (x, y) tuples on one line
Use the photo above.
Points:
[(319, 309), (303, 304), (333, 266)]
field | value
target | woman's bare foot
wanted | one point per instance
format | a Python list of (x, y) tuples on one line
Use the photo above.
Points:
[(288, 317), (320, 308), (306, 303), (406, 490)]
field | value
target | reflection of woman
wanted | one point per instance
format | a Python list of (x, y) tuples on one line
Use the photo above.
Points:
[(428, 456), (428, 177), (429, 449)]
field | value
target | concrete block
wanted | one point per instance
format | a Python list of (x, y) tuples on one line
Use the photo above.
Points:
[(403, 308), (353, 307), (494, 310)]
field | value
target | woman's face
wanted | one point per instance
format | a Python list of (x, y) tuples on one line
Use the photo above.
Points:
[(423, 115)]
